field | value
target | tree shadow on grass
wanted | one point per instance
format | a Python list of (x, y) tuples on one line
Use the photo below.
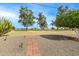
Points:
[(59, 37)]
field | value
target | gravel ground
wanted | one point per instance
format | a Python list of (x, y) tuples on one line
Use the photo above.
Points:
[(52, 47), (13, 46), (49, 45)]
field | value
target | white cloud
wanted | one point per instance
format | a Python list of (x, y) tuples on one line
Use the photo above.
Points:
[(7, 14)]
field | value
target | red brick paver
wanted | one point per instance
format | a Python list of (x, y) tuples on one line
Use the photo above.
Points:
[(32, 48)]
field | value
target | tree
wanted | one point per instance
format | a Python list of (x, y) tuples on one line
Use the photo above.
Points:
[(52, 23), (73, 21), (5, 26), (61, 15), (26, 17), (42, 21), (69, 19)]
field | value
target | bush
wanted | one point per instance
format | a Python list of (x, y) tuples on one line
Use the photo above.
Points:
[(5, 26)]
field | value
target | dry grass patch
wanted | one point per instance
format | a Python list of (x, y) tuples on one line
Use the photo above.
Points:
[(53, 32)]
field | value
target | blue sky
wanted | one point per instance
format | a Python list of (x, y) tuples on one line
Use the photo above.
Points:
[(11, 11)]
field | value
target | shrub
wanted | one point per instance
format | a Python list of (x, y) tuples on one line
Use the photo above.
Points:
[(5, 26)]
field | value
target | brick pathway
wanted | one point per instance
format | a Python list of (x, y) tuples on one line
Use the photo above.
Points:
[(32, 48)]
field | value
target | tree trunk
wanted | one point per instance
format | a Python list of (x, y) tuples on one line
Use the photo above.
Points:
[(26, 28)]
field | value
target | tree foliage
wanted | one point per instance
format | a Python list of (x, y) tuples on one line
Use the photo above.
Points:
[(61, 15), (26, 17), (67, 18), (72, 19), (42, 21)]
